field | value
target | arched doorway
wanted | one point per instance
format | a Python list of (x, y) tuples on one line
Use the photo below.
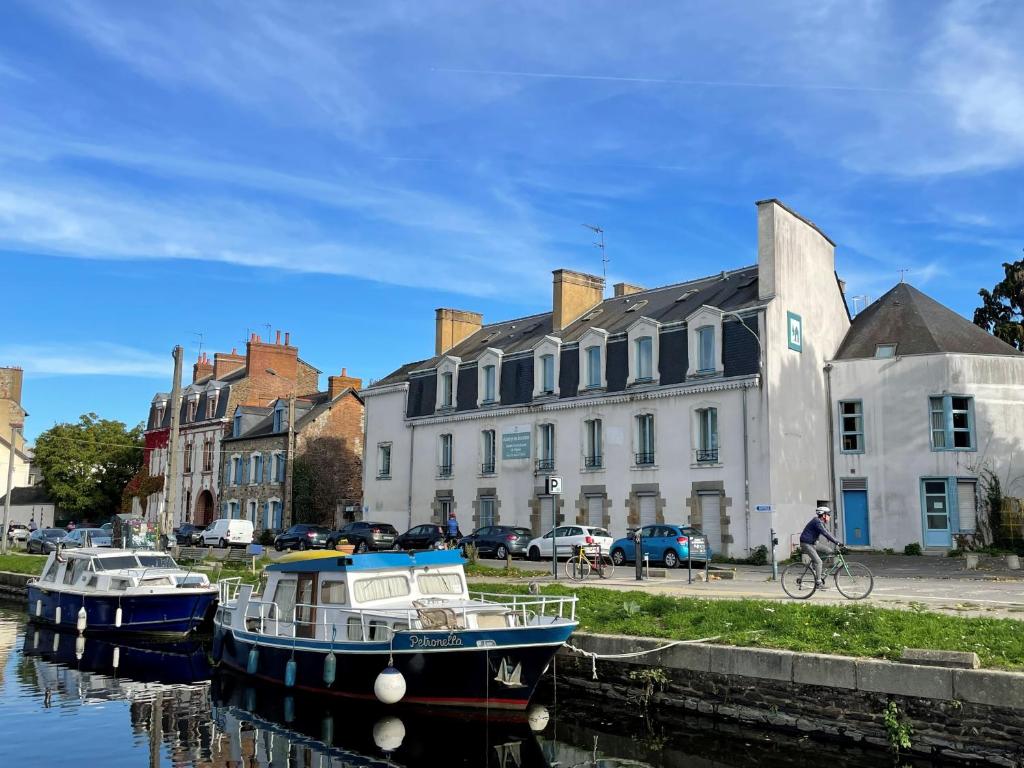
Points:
[(204, 509)]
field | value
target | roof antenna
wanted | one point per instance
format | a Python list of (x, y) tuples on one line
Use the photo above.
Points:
[(600, 244), (903, 273), (201, 337)]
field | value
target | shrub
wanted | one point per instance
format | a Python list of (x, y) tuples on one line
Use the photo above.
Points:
[(913, 548), (759, 556)]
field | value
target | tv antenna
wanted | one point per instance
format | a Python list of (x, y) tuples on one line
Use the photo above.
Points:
[(903, 273), (600, 244), (201, 336)]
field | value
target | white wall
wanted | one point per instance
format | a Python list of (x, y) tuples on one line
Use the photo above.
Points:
[(41, 513), (898, 453)]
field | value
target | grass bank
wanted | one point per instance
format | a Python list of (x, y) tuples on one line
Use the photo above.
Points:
[(22, 563), (848, 630)]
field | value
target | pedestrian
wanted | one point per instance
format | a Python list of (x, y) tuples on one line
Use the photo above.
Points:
[(32, 524), (454, 534), (71, 526)]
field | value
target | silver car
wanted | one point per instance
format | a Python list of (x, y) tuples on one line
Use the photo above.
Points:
[(87, 537)]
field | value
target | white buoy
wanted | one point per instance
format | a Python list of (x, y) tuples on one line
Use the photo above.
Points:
[(389, 687), (35, 639), (81, 619), (79, 647), (56, 616), (39, 608), (117, 617), (56, 641), (538, 716), (116, 661), (389, 733)]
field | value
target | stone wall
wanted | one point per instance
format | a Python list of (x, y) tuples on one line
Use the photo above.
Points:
[(952, 713)]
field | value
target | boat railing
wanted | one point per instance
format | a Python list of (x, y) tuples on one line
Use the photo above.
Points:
[(228, 589), (558, 605)]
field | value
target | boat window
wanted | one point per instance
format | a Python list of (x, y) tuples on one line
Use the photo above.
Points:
[(355, 628), (116, 563), (381, 588), (157, 561), (92, 580), (118, 583), (75, 569), (284, 596), (158, 581), (333, 592), (439, 583), (401, 626), (379, 630), (51, 572)]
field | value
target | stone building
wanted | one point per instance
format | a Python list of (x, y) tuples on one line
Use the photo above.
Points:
[(12, 413), (255, 457)]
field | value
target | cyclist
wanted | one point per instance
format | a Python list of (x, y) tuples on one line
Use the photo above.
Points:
[(809, 537)]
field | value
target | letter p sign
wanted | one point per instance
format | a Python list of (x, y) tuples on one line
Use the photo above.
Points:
[(552, 485)]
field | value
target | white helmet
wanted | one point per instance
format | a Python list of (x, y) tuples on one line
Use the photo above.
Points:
[(822, 511)]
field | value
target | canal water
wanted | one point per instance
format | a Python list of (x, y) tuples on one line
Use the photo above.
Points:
[(70, 701)]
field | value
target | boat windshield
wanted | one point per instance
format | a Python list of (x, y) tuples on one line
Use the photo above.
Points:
[(157, 561), (116, 563)]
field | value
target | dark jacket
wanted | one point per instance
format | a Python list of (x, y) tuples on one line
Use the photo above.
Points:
[(813, 530)]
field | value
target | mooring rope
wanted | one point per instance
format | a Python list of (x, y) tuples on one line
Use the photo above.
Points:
[(632, 654)]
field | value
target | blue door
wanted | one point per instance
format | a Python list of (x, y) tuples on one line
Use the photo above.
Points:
[(855, 517), (935, 502)]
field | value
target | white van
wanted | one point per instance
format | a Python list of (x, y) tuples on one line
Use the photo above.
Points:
[(228, 533)]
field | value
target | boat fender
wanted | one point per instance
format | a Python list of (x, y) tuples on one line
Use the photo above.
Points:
[(79, 647), (389, 687), (289, 709), (39, 608), (388, 733), (117, 617), (538, 716), (330, 668), (327, 730), (56, 616), (250, 699), (82, 620), (289, 673), (254, 660), (35, 639), (116, 661)]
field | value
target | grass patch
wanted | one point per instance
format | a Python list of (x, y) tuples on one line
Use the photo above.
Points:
[(848, 630), (476, 569), (21, 563)]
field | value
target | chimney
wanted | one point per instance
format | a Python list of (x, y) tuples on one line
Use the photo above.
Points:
[(453, 326), (202, 368), (273, 370), (10, 385), (625, 289), (574, 293), (791, 251), (224, 363), (338, 384)]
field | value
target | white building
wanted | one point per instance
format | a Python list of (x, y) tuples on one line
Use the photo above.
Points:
[(925, 404), (30, 504), (694, 402)]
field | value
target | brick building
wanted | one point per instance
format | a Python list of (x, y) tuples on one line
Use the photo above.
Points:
[(255, 458)]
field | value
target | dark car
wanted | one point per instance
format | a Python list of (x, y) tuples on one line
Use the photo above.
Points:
[(86, 537), (420, 537), (302, 536), (42, 541), (365, 536), (499, 541), (188, 535)]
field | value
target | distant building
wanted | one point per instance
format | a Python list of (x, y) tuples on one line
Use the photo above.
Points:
[(28, 504), (12, 412)]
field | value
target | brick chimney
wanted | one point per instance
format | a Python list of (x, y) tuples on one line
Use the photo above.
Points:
[(203, 367), (625, 289), (453, 326), (273, 369), (224, 363), (338, 384), (574, 293), (10, 385)]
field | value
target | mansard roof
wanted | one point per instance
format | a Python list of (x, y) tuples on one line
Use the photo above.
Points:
[(917, 325)]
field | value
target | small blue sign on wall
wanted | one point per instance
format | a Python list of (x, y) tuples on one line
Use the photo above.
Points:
[(795, 331)]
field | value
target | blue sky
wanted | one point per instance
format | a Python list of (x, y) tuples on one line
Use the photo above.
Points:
[(340, 169)]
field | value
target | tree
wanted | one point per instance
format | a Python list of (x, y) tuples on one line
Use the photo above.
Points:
[(326, 474), (86, 466), (1002, 310)]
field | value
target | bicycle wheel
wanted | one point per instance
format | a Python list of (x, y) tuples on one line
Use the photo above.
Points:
[(606, 567), (798, 581), (577, 569), (854, 580)]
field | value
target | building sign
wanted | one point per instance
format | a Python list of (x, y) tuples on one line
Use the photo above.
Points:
[(764, 508), (795, 326), (515, 443)]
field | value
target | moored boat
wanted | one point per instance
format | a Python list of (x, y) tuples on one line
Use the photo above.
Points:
[(395, 625), (122, 591)]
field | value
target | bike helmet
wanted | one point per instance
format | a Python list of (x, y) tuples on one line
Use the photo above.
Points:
[(822, 511)]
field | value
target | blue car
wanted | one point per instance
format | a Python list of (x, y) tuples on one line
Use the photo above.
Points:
[(668, 544)]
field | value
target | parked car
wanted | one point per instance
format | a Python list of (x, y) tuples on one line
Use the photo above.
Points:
[(188, 535), (302, 536), (499, 541), (227, 532), (364, 536), (569, 536), (43, 541), (668, 544), (86, 537), (17, 532), (420, 537)]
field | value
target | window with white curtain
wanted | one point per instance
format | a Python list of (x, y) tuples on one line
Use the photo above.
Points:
[(439, 584), (380, 588)]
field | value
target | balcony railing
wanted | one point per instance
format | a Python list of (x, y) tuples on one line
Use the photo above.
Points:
[(487, 468), (644, 459), (444, 470), (545, 465), (707, 455), (593, 462)]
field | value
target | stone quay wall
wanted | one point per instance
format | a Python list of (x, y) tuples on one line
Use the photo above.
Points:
[(950, 713)]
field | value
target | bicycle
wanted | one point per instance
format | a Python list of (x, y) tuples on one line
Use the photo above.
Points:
[(580, 564), (853, 580)]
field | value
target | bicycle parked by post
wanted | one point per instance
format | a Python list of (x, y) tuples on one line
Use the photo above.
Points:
[(585, 559), (853, 580)]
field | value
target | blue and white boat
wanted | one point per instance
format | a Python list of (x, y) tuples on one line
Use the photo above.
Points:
[(395, 625), (98, 589)]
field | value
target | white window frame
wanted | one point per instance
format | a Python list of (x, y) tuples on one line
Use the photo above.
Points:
[(279, 460), (193, 408), (236, 469), (704, 317), (698, 418), (384, 472), (638, 442), (546, 437), (644, 327), (211, 403), (549, 345), (445, 454), (449, 365), (489, 357), (483, 522), (488, 444), (594, 337), (593, 443)]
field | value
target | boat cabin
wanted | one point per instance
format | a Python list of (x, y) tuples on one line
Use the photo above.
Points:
[(101, 569)]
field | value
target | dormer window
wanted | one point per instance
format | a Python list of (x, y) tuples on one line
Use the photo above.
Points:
[(159, 415), (279, 418), (643, 358), (211, 404), (489, 377), (447, 388), (704, 342), (642, 338), (885, 350), (236, 426), (447, 373), (193, 407), (488, 367), (547, 374), (594, 366), (593, 346), (706, 349), (546, 364)]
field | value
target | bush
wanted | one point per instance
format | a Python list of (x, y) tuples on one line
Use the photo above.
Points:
[(912, 549), (759, 556)]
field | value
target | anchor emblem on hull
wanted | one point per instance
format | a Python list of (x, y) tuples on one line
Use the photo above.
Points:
[(510, 675)]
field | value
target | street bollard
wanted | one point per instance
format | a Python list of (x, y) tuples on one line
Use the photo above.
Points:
[(637, 554), (775, 565)]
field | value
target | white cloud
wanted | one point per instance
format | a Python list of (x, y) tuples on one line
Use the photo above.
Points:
[(91, 359)]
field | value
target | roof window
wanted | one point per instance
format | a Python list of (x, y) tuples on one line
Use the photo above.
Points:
[(638, 305), (687, 295), (885, 350), (592, 314)]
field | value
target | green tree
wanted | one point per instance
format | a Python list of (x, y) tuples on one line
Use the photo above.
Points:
[(326, 474), (1002, 309), (85, 466)]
